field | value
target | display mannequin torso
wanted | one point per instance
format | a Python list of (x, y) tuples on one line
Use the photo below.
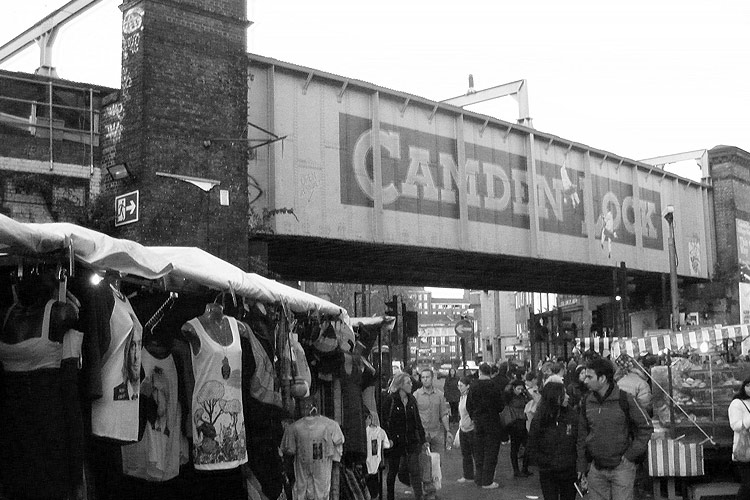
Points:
[(216, 325), (24, 321)]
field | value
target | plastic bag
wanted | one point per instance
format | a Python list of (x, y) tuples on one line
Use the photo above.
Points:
[(457, 440), (741, 449), (437, 474)]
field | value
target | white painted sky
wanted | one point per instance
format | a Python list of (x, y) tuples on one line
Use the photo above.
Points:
[(640, 78)]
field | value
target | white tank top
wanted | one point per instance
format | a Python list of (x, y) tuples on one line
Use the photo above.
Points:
[(218, 422), (115, 414), (156, 457), (34, 353)]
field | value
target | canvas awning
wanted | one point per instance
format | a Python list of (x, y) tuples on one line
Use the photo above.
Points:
[(101, 251), (93, 248)]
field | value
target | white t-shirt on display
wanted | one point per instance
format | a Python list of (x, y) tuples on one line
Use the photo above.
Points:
[(377, 439), (316, 442)]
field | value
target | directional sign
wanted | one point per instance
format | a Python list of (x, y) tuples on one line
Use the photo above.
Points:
[(127, 208), (464, 328)]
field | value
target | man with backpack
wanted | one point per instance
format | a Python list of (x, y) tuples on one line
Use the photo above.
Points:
[(613, 434)]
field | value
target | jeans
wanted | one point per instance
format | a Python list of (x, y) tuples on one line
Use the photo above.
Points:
[(558, 484), (454, 411), (415, 472), (518, 437), (612, 484), (743, 468), (486, 448), (436, 440), (467, 453)]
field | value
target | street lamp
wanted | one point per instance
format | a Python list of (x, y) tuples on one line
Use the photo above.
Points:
[(675, 297)]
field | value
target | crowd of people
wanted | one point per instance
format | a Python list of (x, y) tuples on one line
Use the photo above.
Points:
[(585, 424)]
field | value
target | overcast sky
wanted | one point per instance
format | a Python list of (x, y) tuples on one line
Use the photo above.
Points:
[(640, 78)]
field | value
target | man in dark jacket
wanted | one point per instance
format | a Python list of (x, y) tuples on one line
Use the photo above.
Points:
[(484, 404), (608, 437)]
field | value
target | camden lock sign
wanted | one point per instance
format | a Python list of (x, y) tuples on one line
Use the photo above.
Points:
[(420, 172)]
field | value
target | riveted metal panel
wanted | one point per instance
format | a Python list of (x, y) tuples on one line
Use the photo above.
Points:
[(592, 206)]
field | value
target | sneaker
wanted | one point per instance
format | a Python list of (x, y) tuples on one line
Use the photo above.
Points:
[(461, 480), (491, 486)]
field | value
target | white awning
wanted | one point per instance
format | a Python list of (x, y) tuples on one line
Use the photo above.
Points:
[(101, 251)]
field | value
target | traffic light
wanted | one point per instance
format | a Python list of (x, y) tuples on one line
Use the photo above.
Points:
[(596, 320), (625, 285), (392, 309), (411, 323)]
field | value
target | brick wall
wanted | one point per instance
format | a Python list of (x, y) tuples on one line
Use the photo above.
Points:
[(730, 172), (184, 81), (43, 180)]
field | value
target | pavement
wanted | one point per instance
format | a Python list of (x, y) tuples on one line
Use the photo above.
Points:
[(511, 488)]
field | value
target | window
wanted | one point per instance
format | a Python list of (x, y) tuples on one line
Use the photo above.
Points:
[(453, 348)]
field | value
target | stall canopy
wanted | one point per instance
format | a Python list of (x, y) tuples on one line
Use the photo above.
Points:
[(99, 251), (673, 341), (95, 249)]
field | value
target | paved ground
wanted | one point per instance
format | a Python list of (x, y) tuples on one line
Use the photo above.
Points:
[(511, 488)]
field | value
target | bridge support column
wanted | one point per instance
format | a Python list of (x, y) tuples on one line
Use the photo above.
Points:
[(184, 92)]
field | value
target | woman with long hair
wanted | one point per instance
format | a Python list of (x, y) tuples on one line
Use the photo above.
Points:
[(517, 398), (403, 425), (576, 389), (739, 421), (452, 394), (552, 443)]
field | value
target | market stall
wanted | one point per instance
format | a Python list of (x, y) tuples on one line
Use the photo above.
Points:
[(693, 376), (144, 316)]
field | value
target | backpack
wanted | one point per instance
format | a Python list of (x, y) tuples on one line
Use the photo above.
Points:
[(632, 426)]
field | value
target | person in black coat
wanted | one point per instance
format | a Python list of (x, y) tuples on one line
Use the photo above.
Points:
[(403, 425), (552, 443), (516, 397), (484, 403), (452, 394)]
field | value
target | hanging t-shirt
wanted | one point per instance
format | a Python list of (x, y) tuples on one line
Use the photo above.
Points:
[(316, 442), (156, 457), (115, 414), (218, 421), (377, 439)]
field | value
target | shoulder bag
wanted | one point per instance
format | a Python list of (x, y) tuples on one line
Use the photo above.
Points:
[(741, 449)]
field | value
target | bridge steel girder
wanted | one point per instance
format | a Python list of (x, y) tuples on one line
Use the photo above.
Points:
[(45, 31), (389, 187)]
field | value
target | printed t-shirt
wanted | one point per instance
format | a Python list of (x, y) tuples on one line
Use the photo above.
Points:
[(115, 414), (316, 442), (377, 439), (156, 457)]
